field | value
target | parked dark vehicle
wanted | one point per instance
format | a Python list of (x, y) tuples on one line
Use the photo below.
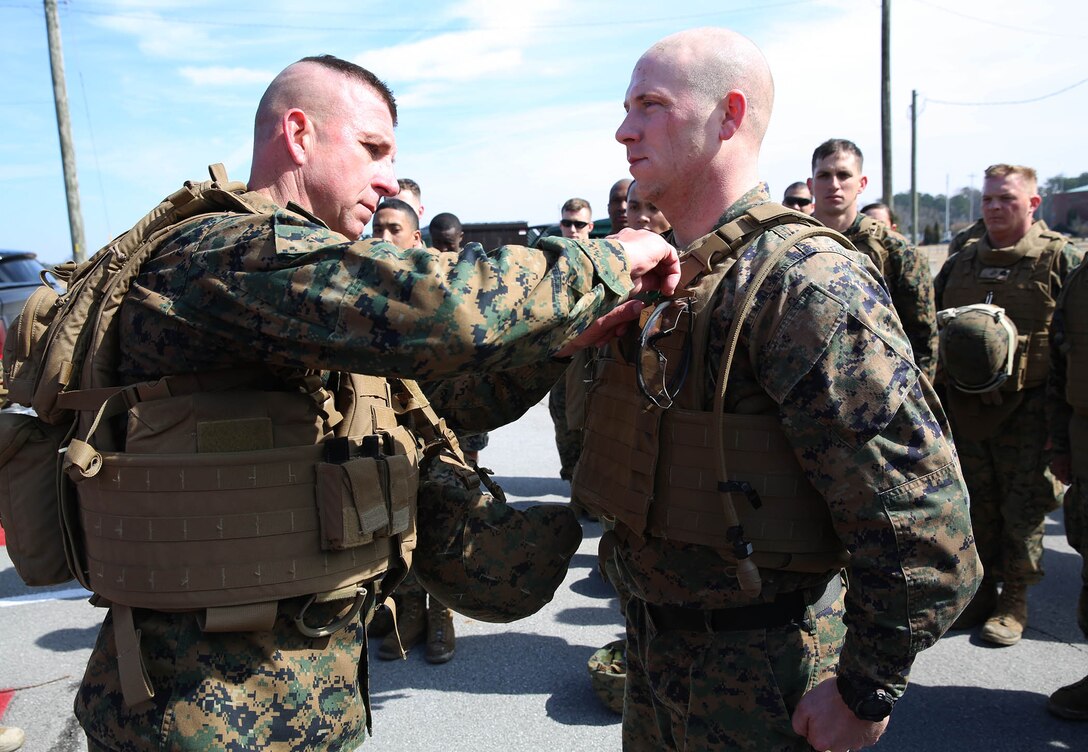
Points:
[(20, 275)]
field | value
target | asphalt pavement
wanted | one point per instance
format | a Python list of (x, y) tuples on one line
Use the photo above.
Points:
[(524, 686)]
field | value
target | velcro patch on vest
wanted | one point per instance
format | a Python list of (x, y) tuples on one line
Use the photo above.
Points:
[(994, 273), (242, 435)]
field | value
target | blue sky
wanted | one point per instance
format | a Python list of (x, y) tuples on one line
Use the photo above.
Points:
[(509, 108)]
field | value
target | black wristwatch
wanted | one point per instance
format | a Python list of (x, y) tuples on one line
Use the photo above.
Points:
[(868, 705)]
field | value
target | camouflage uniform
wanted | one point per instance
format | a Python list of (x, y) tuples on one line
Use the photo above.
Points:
[(973, 231), (282, 290), (910, 284), (1068, 423), (568, 439), (823, 350), (1005, 463)]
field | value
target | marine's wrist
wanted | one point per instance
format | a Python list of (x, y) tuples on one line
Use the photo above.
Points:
[(868, 701)]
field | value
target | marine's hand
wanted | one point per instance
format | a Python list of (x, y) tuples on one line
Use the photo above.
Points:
[(653, 262), (824, 720), (1061, 465), (604, 329)]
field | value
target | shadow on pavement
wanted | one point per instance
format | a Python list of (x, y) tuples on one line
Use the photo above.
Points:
[(947, 718), (66, 640), (504, 663)]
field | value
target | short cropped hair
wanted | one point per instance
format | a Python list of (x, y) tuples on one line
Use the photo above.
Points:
[(879, 205), (796, 186), (1004, 170), (402, 206), (407, 184), (443, 222), (577, 204), (359, 73), (835, 146)]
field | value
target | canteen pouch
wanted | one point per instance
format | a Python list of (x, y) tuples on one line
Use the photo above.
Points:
[(29, 508)]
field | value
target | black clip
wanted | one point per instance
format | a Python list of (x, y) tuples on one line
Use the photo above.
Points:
[(337, 450), (742, 549), (744, 487)]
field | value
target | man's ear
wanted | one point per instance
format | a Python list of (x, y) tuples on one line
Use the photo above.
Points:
[(1034, 202), (298, 135), (734, 110), (417, 239), (862, 183)]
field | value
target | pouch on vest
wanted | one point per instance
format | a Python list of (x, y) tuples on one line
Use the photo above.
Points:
[(28, 497)]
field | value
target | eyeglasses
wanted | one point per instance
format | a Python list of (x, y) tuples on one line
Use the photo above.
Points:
[(576, 224), (796, 201), (658, 378)]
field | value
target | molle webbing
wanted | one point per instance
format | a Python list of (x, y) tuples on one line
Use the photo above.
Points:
[(1020, 282), (226, 498), (657, 471), (180, 532), (791, 528)]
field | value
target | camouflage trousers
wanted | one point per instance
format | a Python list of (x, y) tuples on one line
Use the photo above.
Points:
[(567, 440), (732, 691), (1011, 492), (274, 691)]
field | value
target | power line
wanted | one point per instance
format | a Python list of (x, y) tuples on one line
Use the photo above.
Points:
[(990, 22), (1015, 101), (87, 9)]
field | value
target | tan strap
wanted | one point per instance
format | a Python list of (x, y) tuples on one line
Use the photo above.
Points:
[(249, 617), (135, 682), (747, 572)]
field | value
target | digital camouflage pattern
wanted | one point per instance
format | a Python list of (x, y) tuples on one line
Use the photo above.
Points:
[(300, 295), (1005, 464), (608, 674), (910, 283), (234, 691), (568, 441), (482, 557), (825, 351), (974, 230), (281, 289), (713, 690)]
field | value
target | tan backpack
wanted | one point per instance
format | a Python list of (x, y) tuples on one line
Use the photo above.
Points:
[(51, 341)]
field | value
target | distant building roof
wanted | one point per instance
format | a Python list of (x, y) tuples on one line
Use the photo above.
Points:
[(1082, 189)]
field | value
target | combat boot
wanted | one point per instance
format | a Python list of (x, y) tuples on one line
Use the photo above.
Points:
[(440, 637), (1006, 626), (980, 607), (381, 624), (411, 626), (1070, 702)]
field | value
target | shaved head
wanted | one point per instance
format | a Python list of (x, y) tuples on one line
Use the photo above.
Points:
[(323, 139), (315, 85), (698, 107), (715, 61)]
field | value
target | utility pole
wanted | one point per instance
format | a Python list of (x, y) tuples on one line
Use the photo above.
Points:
[(914, 165), (64, 129), (886, 101), (947, 207)]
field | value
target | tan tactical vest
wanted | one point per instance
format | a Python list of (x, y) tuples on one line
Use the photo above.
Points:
[(657, 471), (869, 239), (222, 493), (1019, 280)]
